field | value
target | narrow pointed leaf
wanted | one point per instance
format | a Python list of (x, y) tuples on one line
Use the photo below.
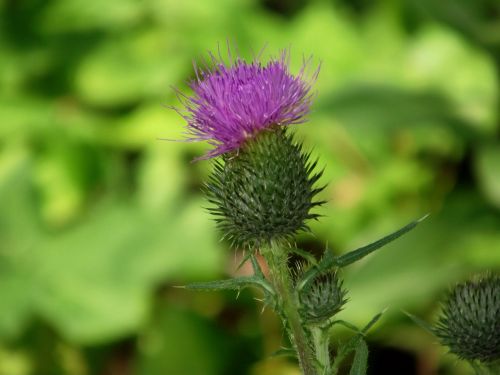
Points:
[(269, 295), (232, 284), (355, 255), (304, 254), (420, 322), (351, 345), (352, 327), (348, 325), (344, 351), (360, 362), (244, 260), (372, 322), (256, 267), (327, 262), (284, 352)]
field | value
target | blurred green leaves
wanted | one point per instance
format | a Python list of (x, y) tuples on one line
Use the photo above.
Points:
[(180, 343), (488, 170), (66, 16), (96, 214), (124, 71), (93, 282)]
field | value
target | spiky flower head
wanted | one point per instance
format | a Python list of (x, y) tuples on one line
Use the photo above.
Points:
[(234, 102), (265, 192), (322, 298), (470, 321)]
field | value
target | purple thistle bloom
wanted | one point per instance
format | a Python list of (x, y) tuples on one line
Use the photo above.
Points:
[(233, 103)]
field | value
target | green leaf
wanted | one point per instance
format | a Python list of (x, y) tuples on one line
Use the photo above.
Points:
[(64, 16), (486, 163), (70, 278), (284, 352), (352, 327), (355, 255), (344, 351), (244, 260), (350, 345), (327, 262), (346, 324), (123, 71), (359, 364), (356, 344), (256, 267), (420, 322), (372, 322), (237, 283), (178, 341), (304, 254)]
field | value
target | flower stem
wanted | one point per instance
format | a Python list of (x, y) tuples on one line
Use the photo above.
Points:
[(276, 258), (485, 369), (493, 368), (321, 348), (336, 363)]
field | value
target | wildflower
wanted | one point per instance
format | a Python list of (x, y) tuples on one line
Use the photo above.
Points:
[(322, 298), (470, 321), (233, 103), (266, 192)]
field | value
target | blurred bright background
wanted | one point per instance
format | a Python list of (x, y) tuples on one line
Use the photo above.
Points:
[(99, 218)]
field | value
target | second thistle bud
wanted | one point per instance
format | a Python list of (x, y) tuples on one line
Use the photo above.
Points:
[(322, 298), (470, 321), (264, 191)]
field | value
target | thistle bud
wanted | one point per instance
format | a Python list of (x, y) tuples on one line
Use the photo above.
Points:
[(470, 321), (265, 191), (322, 298)]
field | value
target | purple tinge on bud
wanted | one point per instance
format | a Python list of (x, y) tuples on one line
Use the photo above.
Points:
[(232, 103)]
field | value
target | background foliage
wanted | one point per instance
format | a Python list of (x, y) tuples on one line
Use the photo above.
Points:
[(99, 218)]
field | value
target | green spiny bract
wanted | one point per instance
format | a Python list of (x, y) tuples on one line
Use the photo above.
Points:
[(470, 322), (264, 191), (321, 298)]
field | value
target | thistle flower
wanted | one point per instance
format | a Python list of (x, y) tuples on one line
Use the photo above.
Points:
[(322, 298), (470, 322), (266, 193), (232, 103)]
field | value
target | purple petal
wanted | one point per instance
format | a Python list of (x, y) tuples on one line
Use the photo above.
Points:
[(232, 103)]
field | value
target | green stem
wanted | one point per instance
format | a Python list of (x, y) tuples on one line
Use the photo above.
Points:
[(496, 57), (485, 369), (493, 368), (336, 363), (477, 368), (321, 344), (276, 258)]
